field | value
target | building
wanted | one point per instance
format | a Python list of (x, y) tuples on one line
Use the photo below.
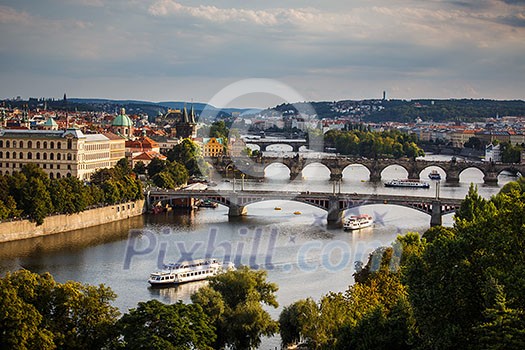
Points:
[(212, 147), (183, 122), (493, 153), (122, 125), (58, 153)]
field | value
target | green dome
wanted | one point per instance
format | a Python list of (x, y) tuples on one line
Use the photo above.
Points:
[(50, 122), (122, 120)]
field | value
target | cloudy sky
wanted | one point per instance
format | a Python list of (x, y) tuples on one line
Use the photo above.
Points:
[(161, 50)]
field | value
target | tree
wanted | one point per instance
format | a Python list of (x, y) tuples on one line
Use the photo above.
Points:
[(139, 168), (156, 166), (474, 143), (243, 321), (219, 130), (36, 200), (154, 325), (188, 153), (39, 313)]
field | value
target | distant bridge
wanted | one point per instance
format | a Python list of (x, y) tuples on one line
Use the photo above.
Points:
[(255, 166), (334, 203), (263, 143)]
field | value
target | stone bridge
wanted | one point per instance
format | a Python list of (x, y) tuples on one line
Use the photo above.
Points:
[(254, 167), (334, 204), (263, 143)]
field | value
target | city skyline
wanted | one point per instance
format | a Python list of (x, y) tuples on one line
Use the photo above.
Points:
[(165, 50)]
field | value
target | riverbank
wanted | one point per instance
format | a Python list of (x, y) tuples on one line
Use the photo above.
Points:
[(24, 229)]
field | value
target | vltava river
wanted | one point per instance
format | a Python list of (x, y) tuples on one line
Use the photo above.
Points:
[(302, 255)]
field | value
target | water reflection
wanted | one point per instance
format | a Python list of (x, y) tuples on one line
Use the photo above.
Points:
[(172, 294)]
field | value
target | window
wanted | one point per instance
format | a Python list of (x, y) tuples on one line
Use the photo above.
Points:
[(14, 144), (1, 154), (45, 144), (51, 175), (45, 155), (29, 155), (59, 145), (21, 144), (7, 144), (58, 175), (69, 156), (14, 155), (38, 155), (38, 144), (29, 144), (52, 145), (52, 156), (69, 144), (21, 155), (1, 143), (68, 174), (59, 156), (44, 166)]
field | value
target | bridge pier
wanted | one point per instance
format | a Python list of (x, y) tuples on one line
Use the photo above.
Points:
[(375, 176), (491, 177), (294, 175), (334, 214), (336, 175), (237, 210), (436, 216)]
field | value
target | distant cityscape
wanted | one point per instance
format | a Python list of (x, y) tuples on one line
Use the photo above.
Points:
[(79, 136)]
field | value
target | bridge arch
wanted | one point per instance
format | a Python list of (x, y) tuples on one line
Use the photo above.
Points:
[(277, 169), (423, 174), (356, 172), (316, 171), (472, 169), (279, 147), (394, 171)]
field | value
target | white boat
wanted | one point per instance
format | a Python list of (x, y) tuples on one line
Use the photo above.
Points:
[(434, 175), (356, 222), (407, 183), (188, 271)]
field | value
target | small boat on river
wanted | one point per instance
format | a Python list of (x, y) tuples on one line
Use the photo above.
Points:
[(407, 184), (434, 175), (357, 222), (188, 271)]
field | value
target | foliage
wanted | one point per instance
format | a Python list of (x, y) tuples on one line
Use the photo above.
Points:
[(474, 143), (188, 154), (510, 153), (234, 301), (39, 313), (32, 194), (140, 168), (154, 325), (360, 142)]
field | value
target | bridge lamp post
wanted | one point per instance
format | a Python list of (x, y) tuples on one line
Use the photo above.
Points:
[(437, 188), (242, 182)]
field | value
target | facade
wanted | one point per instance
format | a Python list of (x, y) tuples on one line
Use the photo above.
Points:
[(58, 153), (212, 147), (492, 153)]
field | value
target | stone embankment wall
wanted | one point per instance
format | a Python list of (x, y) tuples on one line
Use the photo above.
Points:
[(22, 229)]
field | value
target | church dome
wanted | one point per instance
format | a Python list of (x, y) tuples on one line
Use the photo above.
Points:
[(122, 120)]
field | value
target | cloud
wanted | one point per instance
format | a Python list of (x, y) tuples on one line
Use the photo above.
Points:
[(10, 15)]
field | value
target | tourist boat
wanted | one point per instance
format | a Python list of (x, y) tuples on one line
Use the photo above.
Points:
[(356, 222), (297, 212), (407, 184), (277, 208), (188, 271), (434, 175)]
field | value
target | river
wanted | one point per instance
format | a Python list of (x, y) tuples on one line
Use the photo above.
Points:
[(301, 254)]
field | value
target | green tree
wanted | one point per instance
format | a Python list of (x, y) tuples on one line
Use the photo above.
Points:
[(154, 325), (39, 313), (36, 200), (188, 153), (156, 166), (243, 321), (139, 168)]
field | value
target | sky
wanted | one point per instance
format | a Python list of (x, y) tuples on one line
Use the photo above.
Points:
[(182, 50)]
